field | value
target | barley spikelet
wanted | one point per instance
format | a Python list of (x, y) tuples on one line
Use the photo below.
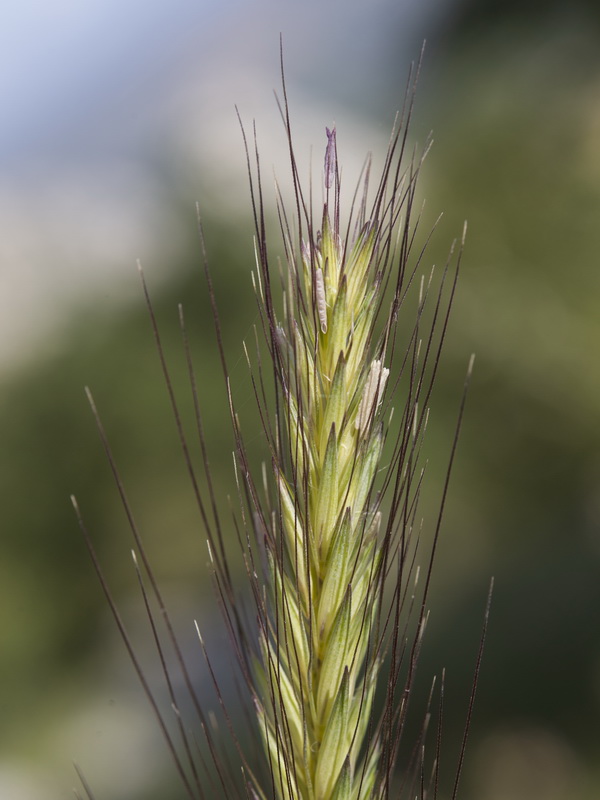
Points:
[(331, 541), (325, 581), (323, 628)]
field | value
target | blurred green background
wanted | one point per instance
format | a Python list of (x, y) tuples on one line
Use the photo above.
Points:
[(512, 93)]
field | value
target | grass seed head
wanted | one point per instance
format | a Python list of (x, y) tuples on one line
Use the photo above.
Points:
[(324, 632), (329, 534)]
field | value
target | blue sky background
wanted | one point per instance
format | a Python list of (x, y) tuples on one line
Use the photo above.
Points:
[(98, 98)]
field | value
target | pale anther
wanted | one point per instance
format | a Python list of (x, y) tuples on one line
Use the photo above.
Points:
[(372, 394), (321, 301)]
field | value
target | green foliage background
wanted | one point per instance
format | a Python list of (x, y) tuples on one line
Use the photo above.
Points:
[(517, 123)]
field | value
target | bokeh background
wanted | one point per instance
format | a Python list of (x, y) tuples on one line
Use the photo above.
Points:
[(117, 118)]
